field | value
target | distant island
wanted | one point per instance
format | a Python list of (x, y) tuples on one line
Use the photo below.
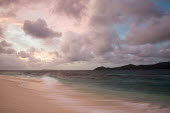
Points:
[(161, 65)]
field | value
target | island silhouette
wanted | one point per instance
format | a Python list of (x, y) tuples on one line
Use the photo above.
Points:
[(161, 65)]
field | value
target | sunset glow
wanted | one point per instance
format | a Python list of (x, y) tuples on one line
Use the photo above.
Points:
[(44, 56)]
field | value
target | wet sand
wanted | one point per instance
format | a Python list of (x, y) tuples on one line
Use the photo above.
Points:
[(46, 95)]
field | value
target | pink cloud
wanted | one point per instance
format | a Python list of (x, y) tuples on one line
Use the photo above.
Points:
[(72, 8)]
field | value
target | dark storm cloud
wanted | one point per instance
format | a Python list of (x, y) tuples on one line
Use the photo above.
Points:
[(39, 29), (72, 8)]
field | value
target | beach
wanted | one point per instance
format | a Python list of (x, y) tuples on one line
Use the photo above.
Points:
[(16, 99), (47, 95)]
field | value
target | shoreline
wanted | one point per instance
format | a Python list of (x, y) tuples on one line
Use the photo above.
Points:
[(46, 95), (16, 99)]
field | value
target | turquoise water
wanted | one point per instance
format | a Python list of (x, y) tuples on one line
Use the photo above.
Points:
[(132, 86)]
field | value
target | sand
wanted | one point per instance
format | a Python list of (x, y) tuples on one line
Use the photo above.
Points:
[(46, 95), (15, 99)]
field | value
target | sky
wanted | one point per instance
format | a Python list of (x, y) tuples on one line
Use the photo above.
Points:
[(83, 34)]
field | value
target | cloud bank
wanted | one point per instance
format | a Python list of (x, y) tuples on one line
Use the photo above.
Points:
[(109, 32)]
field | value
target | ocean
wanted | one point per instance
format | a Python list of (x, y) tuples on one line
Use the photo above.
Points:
[(136, 87)]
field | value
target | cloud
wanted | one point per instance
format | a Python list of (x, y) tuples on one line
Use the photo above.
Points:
[(116, 11), (74, 47), (39, 29), (102, 42), (6, 3), (11, 7), (77, 47), (1, 32), (135, 54), (71, 8), (5, 44), (145, 51), (23, 54), (35, 55), (11, 62), (155, 31), (5, 48), (148, 23), (146, 39)]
